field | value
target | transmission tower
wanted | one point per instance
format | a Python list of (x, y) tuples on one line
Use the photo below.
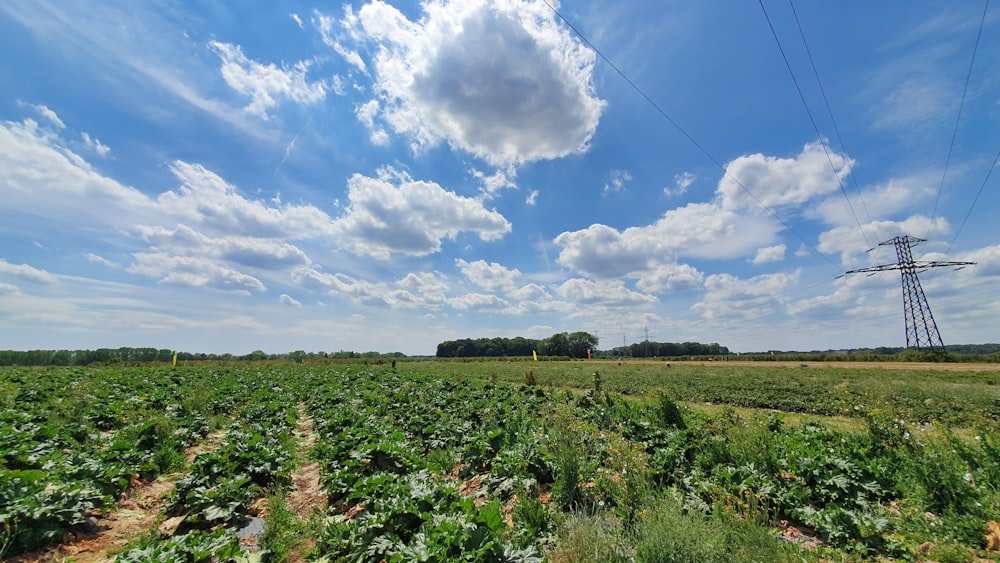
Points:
[(921, 330)]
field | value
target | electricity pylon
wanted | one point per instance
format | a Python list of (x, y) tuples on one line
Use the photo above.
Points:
[(921, 330)]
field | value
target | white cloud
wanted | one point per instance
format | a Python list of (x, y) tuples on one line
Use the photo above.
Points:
[(408, 293), (208, 201), (337, 85), (777, 181), (266, 84), (532, 198), (134, 51), (394, 213), (665, 278), (366, 113), (48, 114), (206, 218), (491, 185), (767, 254), (681, 184), (286, 299), (489, 276), (480, 302), (95, 145), (915, 102), (91, 257), (499, 79), (27, 273), (193, 271), (255, 252), (616, 181), (348, 32), (606, 293), (298, 21), (848, 241), (44, 178), (698, 230), (732, 299)]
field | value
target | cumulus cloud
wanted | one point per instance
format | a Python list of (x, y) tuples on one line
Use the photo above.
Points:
[(607, 293), (849, 242), (261, 253), (393, 213), (698, 230), (194, 271), (205, 199), (665, 278), (489, 276), (481, 302), (205, 219), (266, 85), (775, 181), (426, 290), (733, 298), (500, 79), (767, 254), (286, 299), (880, 202), (490, 185)]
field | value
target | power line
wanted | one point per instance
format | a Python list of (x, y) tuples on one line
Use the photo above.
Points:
[(958, 118), (687, 135), (829, 111), (812, 120), (974, 200)]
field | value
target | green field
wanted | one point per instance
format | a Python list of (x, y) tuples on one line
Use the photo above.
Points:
[(500, 461)]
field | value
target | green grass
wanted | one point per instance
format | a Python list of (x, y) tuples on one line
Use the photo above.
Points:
[(926, 396)]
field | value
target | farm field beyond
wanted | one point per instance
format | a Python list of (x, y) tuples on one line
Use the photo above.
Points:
[(501, 461)]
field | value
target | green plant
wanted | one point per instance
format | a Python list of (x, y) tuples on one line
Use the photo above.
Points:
[(282, 529), (589, 538)]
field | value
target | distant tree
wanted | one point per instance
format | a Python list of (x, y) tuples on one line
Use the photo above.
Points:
[(556, 345), (577, 344)]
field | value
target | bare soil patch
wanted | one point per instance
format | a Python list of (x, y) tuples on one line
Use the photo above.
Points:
[(306, 496), (134, 515)]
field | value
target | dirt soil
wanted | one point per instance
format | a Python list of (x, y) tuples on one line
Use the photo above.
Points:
[(133, 517), (135, 514), (307, 496)]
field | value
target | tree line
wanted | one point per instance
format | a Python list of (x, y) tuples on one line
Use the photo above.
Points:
[(647, 349), (163, 355), (570, 345)]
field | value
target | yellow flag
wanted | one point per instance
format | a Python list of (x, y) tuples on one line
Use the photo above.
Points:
[(534, 355), (175, 359)]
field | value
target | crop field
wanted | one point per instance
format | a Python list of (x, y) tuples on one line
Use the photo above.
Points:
[(500, 461)]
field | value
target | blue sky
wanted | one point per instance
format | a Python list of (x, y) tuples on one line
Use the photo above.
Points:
[(389, 175)]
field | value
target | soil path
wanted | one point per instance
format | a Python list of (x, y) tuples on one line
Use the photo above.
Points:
[(306, 496), (133, 517)]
